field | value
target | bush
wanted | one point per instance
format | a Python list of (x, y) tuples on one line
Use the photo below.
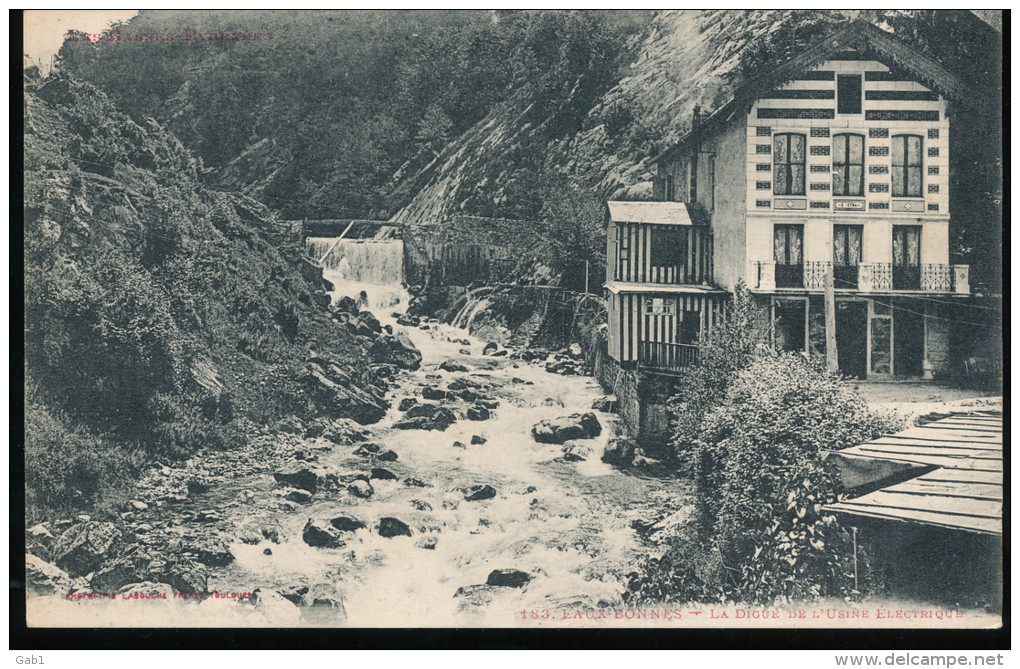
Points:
[(760, 535), (733, 343)]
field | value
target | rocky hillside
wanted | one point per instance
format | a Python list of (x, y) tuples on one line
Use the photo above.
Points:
[(685, 59), (162, 316)]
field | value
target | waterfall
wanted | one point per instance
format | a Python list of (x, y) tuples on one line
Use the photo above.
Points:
[(361, 260), (371, 266)]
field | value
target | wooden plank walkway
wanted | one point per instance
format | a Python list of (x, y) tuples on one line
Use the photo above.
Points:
[(963, 492)]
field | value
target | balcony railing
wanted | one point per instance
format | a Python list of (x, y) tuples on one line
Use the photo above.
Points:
[(865, 277), (667, 357)]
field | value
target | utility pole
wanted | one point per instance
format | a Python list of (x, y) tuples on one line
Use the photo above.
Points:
[(831, 355)]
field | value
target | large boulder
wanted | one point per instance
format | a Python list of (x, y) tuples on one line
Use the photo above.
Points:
[(577, 450), (184, 576), (337, 393), (478, 412), (361, 488), (393, 527), (397, 350), (619, 452), (43, 578), (345, 523), (478, 493), (305, 478), (508, 578), (210, 550), (426, 416), (562, 430), (84, 547), (451, 366), (319, 534)]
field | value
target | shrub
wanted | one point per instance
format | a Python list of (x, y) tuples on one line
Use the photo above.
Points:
[(760, 534), (733, 343)]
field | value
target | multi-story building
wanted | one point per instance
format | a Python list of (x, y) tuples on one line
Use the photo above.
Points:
[(836, 162)]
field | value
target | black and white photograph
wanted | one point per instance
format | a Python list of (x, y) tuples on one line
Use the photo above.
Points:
[(520, 319)]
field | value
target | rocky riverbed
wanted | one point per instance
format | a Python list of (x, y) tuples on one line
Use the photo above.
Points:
[(480, 493)]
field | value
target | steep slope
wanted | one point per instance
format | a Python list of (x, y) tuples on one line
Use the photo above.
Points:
[(687, 59), (160, 316)]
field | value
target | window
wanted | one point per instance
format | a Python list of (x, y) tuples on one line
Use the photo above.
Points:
[(788, 156), (848, 94), (788, 249), (690, 327), (846, 254), (906, 254), (670, 189), (668, 246), (906, 166), (848, 165)]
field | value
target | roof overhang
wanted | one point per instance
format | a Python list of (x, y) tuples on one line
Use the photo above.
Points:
[(663, 213), (617, 287)]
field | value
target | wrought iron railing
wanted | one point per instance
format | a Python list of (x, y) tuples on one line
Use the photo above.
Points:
[(865, 277), (664, 356)]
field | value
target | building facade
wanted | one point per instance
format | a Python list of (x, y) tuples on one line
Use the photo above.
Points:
[(836, 163)]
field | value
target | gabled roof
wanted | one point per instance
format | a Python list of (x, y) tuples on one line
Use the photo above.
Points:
[(860, 36), (667, 213)]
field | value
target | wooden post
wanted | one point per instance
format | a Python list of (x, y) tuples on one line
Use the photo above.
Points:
[(585, 277), (337, 242), (831, 355)]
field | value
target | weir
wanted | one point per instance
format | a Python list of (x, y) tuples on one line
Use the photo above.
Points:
[(374, 261)]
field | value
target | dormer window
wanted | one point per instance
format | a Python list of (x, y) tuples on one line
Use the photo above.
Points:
[(788, 169), (848, 94), (848, 165)]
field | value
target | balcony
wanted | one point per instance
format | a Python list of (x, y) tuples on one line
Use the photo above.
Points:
[(659, 356), (866, 277)]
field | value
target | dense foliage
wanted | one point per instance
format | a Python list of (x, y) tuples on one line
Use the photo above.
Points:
[(760, 534), (317, 120)]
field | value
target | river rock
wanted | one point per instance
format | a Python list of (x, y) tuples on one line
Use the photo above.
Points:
[(295, 594), (487, 402), (397, 350), (208, 516), (603, 403), (362, 489), (477, 412), (412, 482), (305, 478), (345, 523), (408, 321), (451, 366), (84, 547), (427, 543), (255, 532), (433, 393), (426, 417), (392, 527), (336, 393), (407, 403), (324, 603), (197, 486), (44, 578), (577, 450), (562, 430), (477, 493), (619, 452), (138, 505), (319, 534), (474, 597), (299, 496), (489, 348), (382, 474), (275, 608), (387, 456), (421, 505), (121, 572), (185, 576), (508, 578), (367, 450), (346, 305), (477, 440)]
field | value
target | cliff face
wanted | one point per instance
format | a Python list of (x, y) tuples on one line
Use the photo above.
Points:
[(684, 59)]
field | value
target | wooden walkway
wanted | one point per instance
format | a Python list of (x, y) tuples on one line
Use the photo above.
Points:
[(962, 492)]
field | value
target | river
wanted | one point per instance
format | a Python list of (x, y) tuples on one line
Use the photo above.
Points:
[(566, 524)]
